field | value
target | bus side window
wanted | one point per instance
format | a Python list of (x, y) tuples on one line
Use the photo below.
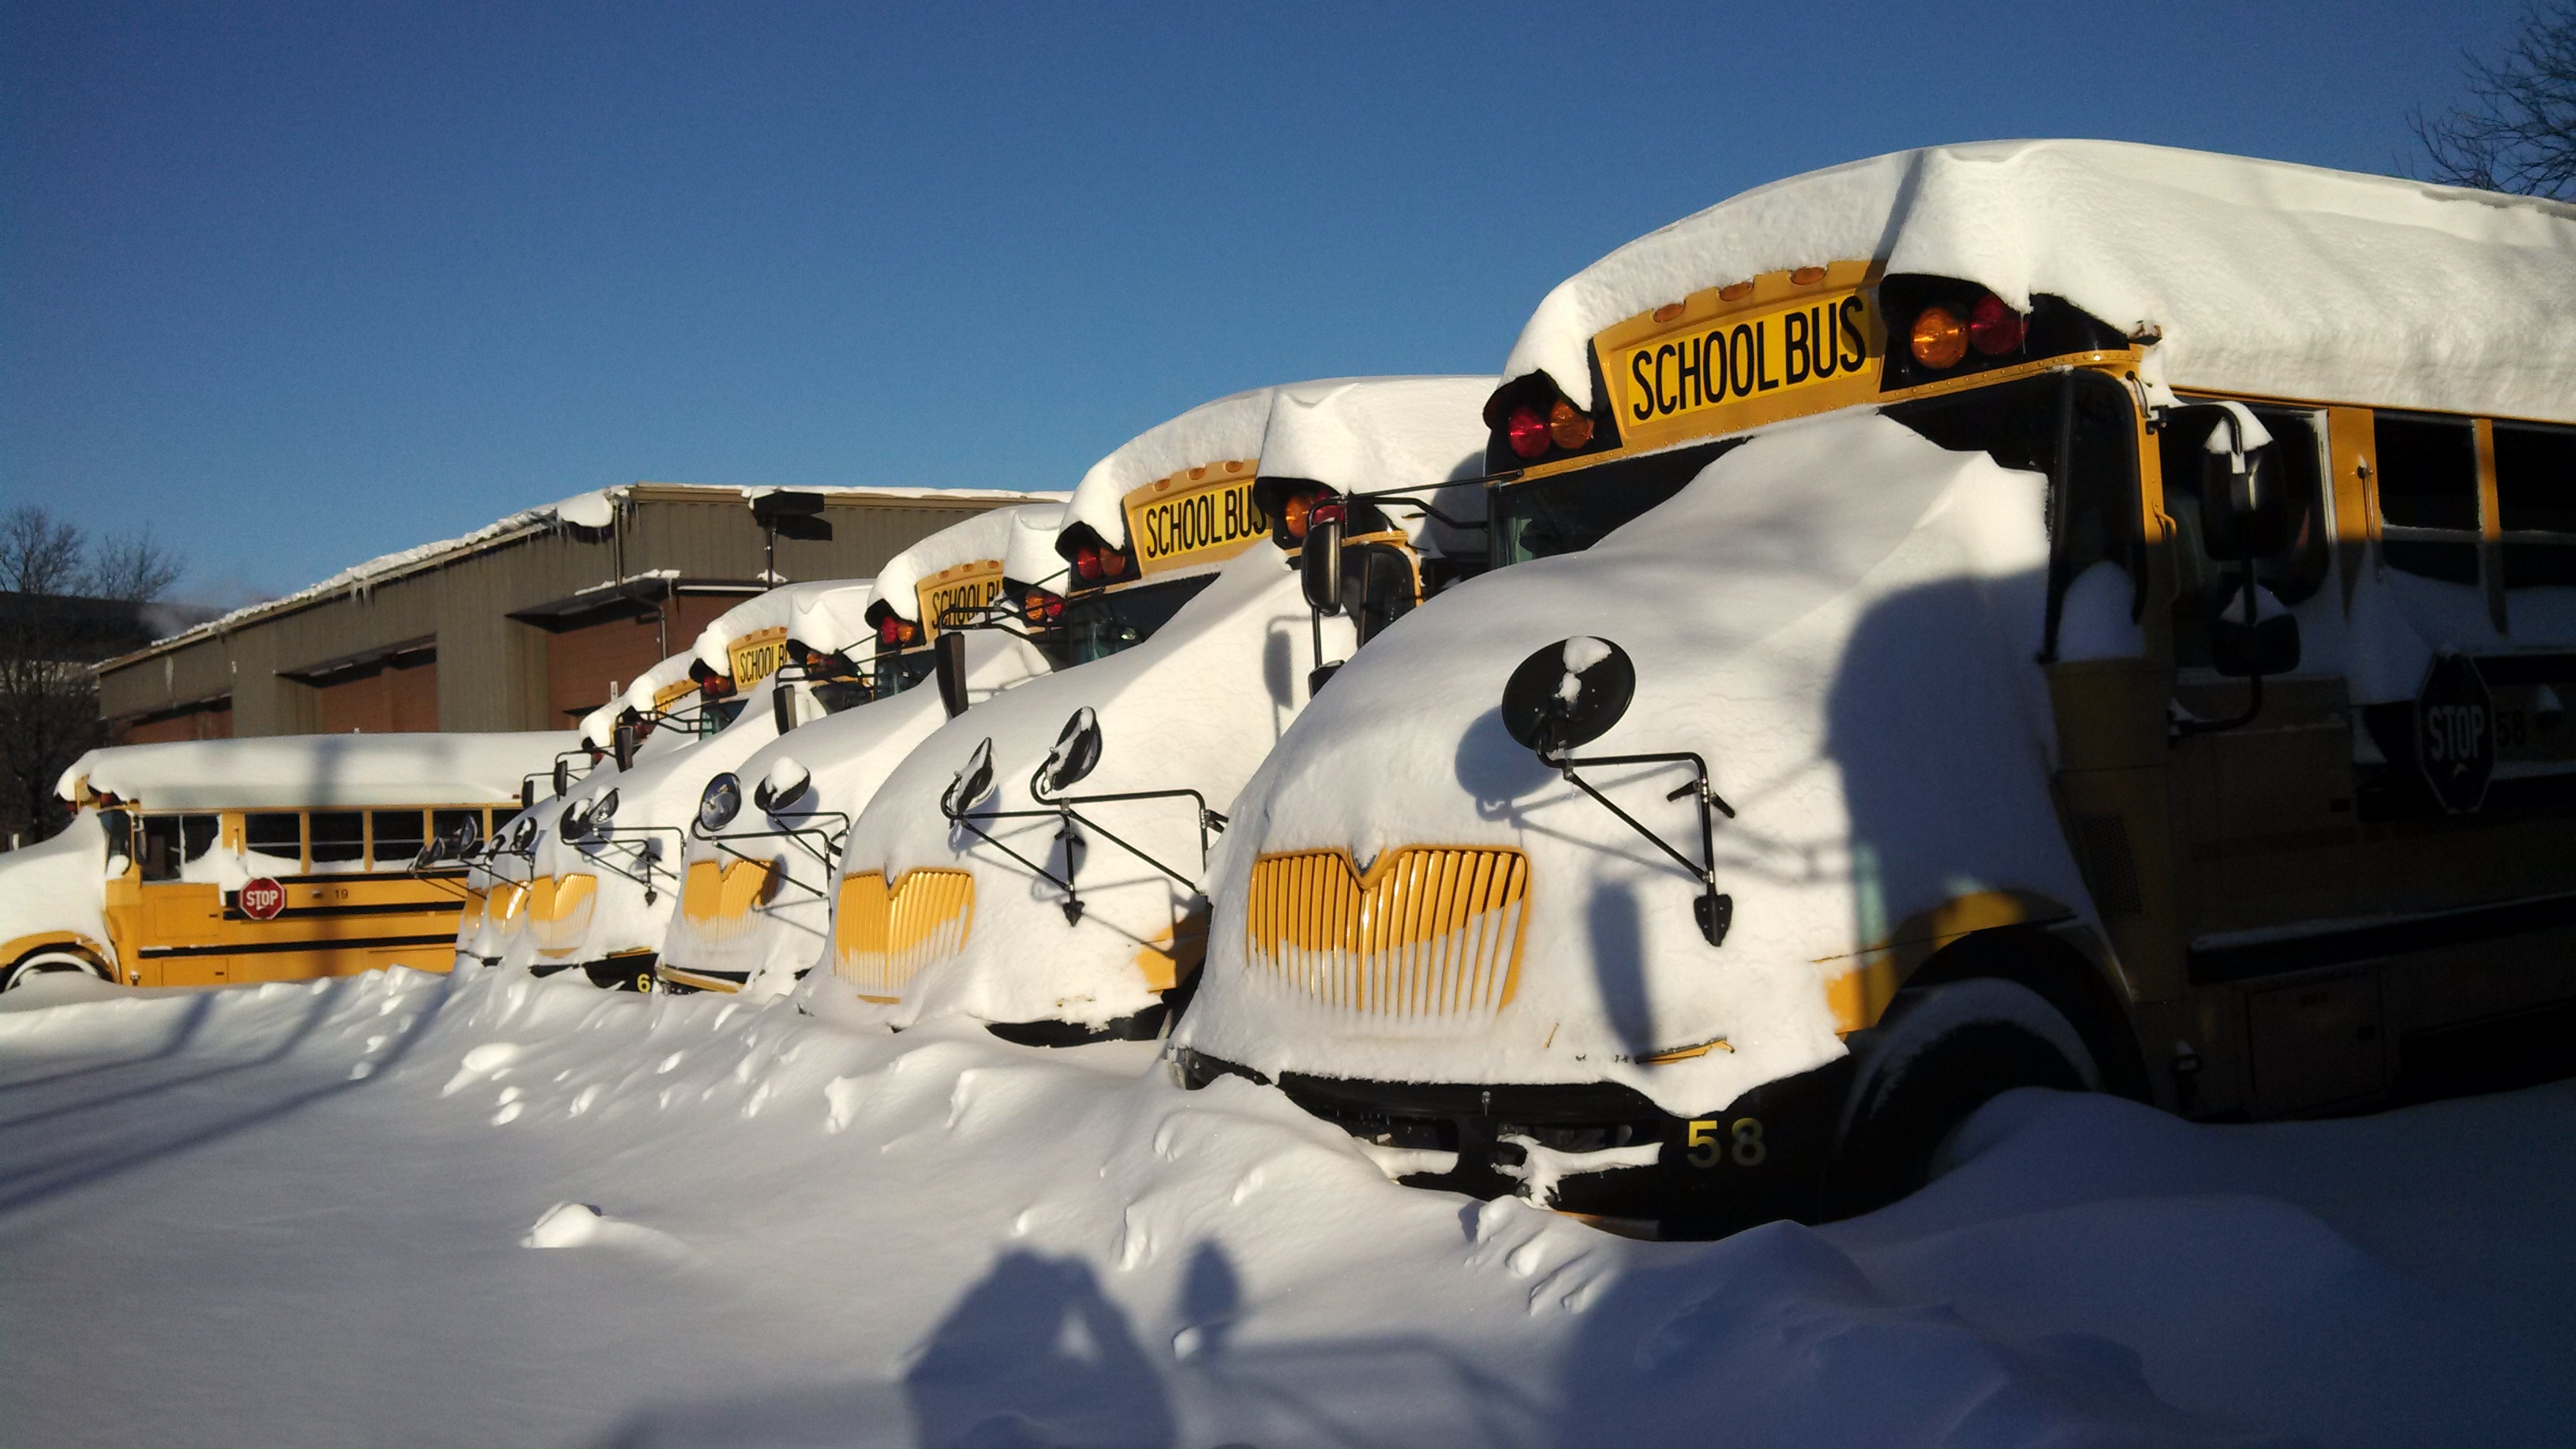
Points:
[(2536, 495), (339, 836), (397, 838), (160, 847), (2428, 480), (277, 837)]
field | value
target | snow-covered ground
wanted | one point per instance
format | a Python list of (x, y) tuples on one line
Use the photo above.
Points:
[(337, 1213)]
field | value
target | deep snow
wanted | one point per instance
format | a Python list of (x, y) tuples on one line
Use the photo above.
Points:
[(337, 1213)]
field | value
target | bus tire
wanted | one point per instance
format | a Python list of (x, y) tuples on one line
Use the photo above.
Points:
[(1939, 1054), (49, 961)]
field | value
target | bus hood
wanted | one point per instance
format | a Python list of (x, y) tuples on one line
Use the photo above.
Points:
[(1840, 616), (1197, 706), (844, 757), (57, 885)]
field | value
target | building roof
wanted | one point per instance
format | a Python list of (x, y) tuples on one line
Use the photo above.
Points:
[(593, 510)]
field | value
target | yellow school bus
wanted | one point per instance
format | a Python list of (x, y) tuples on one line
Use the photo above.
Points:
[(2128, 657), (218, 862)]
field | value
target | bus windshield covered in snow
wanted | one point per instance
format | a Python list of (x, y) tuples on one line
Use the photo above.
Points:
[(2092, 661)]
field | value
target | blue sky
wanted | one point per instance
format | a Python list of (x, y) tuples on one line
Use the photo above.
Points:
[(297, 285)]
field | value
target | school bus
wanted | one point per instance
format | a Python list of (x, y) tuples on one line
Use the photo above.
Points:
[(754, 907), (2039, 614), (1067, 905), (217, 862)]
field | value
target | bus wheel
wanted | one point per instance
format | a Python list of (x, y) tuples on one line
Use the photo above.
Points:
[(1939, 1054), (53, 962)]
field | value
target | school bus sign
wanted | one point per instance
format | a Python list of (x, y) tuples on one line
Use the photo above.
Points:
[(1199, 516)]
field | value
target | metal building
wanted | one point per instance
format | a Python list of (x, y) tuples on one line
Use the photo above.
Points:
[(527, 624)]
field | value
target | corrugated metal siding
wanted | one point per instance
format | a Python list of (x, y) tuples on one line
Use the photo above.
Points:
[(494, 670)]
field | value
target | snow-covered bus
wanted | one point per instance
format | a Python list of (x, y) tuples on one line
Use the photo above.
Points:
[(604, 858), (216, 862), (753, 912), (2061, 613), (1037, 863)]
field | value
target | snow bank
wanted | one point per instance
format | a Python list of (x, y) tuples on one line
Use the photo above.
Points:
[(767, 1230), (290, 772), (1788, 612), (2264, 276), (56, 885)]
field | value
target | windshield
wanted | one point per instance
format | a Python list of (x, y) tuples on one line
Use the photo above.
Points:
[(1570, 512), (1095, 626)]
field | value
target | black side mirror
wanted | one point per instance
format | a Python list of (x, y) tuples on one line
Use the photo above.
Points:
[(2245, 506), (528, 792), (786, 783), (563, 778), (1320, 564), (948, 660), (1076, 753), (782, 706), (1567, 694), (971, 784), (621, 744)]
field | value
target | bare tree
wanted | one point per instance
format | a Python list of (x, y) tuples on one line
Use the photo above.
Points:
[(64, 601), (2518, 133)]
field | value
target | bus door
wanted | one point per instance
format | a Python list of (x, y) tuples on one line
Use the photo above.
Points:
[(2266, 832), (182, 917)]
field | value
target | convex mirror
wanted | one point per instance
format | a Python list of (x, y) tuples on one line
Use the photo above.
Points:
[(1568, 694), (720, 802), (971, 784), (1076, 753)]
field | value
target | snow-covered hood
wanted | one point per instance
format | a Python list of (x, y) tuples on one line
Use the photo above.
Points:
[(1839, 616), (844, 758), (2264, 276), (288, 772), (1196, 706), (57, 885)]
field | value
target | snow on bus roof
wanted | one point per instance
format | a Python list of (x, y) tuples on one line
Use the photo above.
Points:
[(2263, 276), (770, 610), (596, 725), (985, 536), (292, 772), (1222, 431), (1358, 434), (1352, 432)]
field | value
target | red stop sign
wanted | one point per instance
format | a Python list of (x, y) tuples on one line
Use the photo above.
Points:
[(261, 899)]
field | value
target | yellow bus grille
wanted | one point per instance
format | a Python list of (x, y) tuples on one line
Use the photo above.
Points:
[(1431, 938), (716, 897), (883, 936), (509, 906), (559, 911)]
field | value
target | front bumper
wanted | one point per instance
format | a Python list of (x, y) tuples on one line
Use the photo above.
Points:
[(1762, 1158)]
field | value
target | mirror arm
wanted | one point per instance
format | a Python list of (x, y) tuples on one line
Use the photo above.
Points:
[(1404, 496), (1041, 872), (815, 891), (1715, 909), (2185, 729), (1209, 820)]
